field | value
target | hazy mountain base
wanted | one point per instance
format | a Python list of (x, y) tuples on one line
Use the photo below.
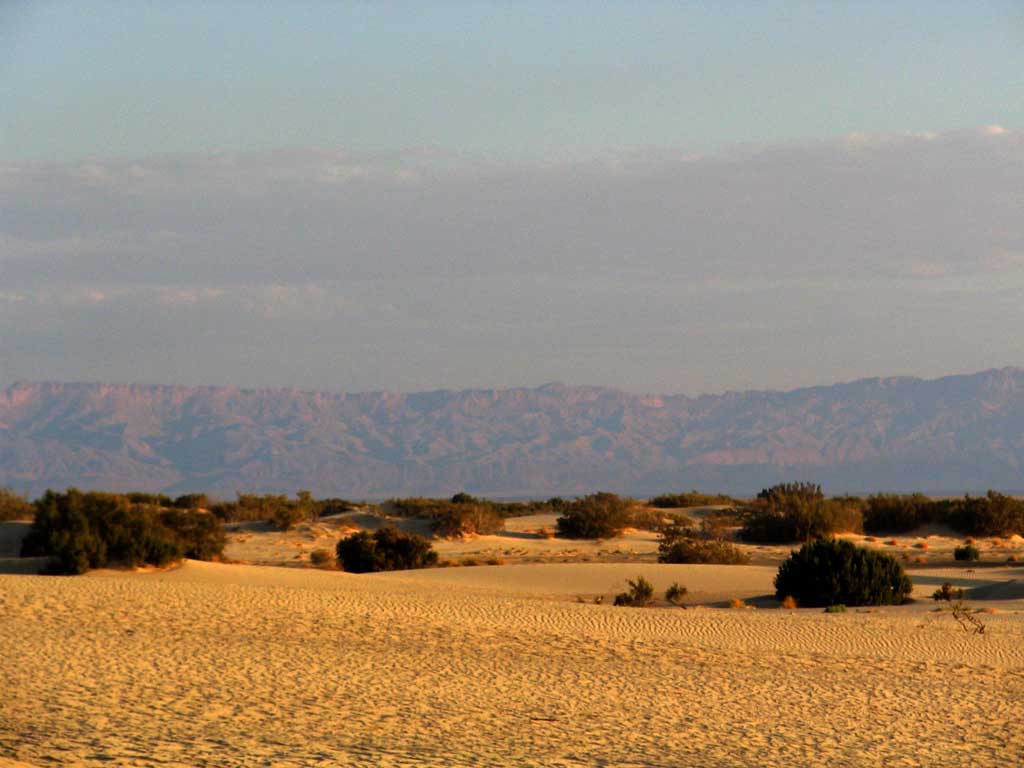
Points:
[(942, 436)]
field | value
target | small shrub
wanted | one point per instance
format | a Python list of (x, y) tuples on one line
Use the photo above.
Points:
[(675, 594), (321, 558), (386, 549), (838, 608), (832, 571), (737, 603), (788, 602), (967, 552), (948, 593), (494, 561), (469, 562), (921, 545), (597, 516), (639, 595), (693, 550)]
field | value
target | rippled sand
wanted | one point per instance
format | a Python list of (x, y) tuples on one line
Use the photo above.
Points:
[(240, 665)]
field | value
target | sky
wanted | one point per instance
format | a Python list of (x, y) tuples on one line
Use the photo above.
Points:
[(669, 197)]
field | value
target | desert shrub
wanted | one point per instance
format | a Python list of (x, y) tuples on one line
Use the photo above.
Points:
[(639, 595), (321, 558), (675, 594), (13, 506), (467, 519), (679, 544), (948, 593), (840, 608), (386, 549), (832, 571), (191, 501), (200, 533), (333, 506), (80, 530), (789, 603), (646, 519), (149, 499), (798, 512), (895, 513), (597, 516), (967, 552), (691, 499), (736, 602), (993, 514)]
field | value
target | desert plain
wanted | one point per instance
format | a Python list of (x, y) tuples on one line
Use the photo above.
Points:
[(265, 661)]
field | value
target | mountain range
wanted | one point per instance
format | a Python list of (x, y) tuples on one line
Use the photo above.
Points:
[(946, 435)]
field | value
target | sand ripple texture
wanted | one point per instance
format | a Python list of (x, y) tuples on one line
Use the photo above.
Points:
[(213, 665)]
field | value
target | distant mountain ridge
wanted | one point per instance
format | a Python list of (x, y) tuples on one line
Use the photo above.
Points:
[(942, 435)]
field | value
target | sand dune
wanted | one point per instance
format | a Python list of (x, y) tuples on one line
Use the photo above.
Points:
[(235, 666)]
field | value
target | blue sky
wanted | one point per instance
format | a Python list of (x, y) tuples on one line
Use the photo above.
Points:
[(670, 197), (525, 79)]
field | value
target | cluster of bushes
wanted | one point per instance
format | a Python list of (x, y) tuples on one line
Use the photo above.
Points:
[(836, 572), (682, 544), (993, 514), (79, 531), (386, 549), (691, 499), (278, 509), (798, 512)]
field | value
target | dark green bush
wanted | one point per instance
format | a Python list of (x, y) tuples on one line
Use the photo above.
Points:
[(640, 594), (386, 549), (597, 516), (833, 571), (967, 552), (993, 514), (200, 533), (894, 513), (13, 506), (149, 499), (80, 530)]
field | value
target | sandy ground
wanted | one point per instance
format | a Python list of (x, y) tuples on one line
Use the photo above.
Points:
[(244, 665), (228, 665)]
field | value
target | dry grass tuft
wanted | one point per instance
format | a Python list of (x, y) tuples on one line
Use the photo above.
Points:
[(737, 603), (789, 602)]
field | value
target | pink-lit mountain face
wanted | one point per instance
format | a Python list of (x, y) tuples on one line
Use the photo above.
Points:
[(944, 435)]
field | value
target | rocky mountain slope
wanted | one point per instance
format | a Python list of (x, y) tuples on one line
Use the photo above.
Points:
[(944, 435)]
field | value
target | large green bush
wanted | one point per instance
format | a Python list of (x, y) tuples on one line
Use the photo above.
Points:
[(834, 571), (79, 531), (597, 516), (386, 549)]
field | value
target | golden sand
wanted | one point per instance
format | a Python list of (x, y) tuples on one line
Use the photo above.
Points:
[(227, 665)]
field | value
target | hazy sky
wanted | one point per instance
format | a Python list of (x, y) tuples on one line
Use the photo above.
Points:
[(656, 196)]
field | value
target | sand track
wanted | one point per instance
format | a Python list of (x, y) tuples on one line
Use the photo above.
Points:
[(239, 666)]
